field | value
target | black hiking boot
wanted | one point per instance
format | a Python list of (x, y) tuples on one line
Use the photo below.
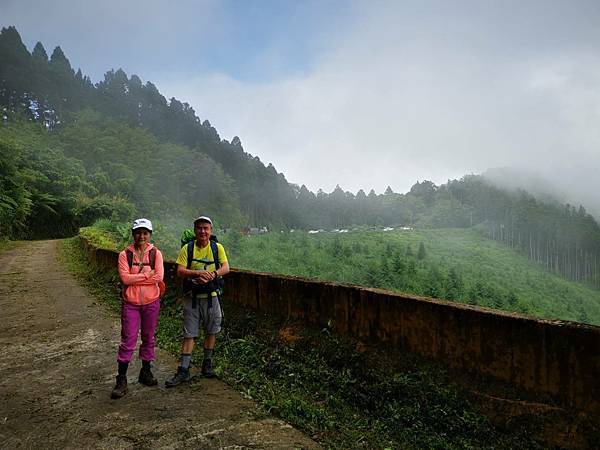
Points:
[(120, 388), (146, 377), (181, 376), (207, 368)]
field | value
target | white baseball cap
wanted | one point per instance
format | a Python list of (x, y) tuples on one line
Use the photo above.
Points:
[(142, 223), (203, 219)]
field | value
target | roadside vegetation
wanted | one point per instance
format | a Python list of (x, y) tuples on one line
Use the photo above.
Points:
[(458, 265), (343, 394), (5, 244)]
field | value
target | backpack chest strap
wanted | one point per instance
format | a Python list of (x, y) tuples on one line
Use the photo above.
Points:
[(151, 258), (190, 254)]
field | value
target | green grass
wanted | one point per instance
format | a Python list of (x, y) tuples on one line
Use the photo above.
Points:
[(102, 285), (105, 235), (349, 398), (5, 244), (458, 265), (341, 393)]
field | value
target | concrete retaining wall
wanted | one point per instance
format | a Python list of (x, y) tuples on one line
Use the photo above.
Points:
[(551, 357)]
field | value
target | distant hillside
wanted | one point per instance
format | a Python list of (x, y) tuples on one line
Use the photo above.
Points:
[(548, 189), (563, 188)]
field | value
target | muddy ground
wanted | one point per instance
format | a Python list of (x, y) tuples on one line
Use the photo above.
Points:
[(57, 369)]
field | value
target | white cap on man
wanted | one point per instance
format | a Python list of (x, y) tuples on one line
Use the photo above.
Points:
[(203, 219), (141, 223)]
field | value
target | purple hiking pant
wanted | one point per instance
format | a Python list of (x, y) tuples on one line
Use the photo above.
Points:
[(134, 317)]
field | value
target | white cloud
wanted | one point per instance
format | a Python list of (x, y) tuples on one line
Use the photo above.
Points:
[(393, 101)]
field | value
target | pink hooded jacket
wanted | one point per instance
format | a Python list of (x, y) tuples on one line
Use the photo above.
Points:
[(142, 288)]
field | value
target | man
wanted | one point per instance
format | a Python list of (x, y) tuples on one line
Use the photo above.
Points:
[(203, 306)]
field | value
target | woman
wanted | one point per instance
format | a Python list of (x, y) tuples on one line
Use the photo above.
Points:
[(141, 272)]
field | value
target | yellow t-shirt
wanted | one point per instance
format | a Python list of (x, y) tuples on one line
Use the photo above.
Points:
[(203, 257)]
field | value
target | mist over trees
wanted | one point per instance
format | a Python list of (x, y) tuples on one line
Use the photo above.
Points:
[(73, 152), (51, 93)]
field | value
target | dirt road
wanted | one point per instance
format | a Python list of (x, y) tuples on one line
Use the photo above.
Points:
[(57, 369)]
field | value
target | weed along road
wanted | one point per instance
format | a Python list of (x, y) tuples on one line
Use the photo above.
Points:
[(58, 368)]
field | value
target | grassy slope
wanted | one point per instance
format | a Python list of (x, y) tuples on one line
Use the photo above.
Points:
[(368, 258)]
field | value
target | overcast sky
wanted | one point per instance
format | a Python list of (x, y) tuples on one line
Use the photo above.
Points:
[(363, 94)]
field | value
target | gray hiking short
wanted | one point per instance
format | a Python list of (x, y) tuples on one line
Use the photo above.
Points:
[(210, 318)]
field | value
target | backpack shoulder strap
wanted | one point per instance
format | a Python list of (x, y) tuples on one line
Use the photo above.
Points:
[(190, 253), (129, 255), (152, 256), (215, 252)]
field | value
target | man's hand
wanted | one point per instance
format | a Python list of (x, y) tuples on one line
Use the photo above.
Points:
[(203, 276)]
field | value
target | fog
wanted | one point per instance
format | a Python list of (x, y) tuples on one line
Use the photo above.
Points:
[(363, 94)]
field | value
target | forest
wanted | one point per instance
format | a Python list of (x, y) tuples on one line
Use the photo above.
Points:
[(73, 152)]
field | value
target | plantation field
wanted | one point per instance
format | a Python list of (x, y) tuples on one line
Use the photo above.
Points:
[(454, 264)]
